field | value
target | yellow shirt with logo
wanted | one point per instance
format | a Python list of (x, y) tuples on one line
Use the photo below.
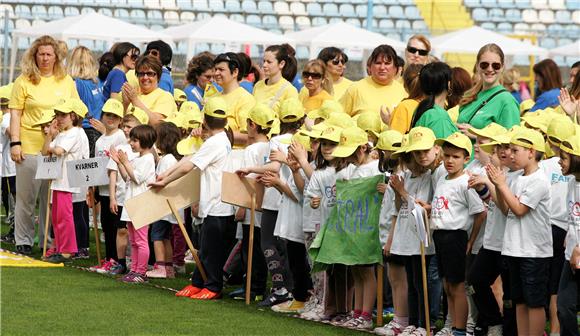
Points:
[(314, 102), (272, 95), (367, 95), (158, 101), (240, 102), (340, 88), (33, 100)]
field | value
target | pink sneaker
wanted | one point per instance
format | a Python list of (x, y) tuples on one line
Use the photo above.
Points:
[(158, 272), (105, 267), (49, 252)]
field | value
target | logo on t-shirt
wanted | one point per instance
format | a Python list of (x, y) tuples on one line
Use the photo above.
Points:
[(330, 193), (440, 204)]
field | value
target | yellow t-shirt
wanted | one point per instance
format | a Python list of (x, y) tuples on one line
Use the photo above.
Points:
[(132, 79), (314, 102), (32, 100), (159, 101), (266, 94), (366, 95), (454, 113), (240, 102), (403, 114), (340, 88)]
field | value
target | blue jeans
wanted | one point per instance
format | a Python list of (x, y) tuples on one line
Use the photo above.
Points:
[(435, 288)]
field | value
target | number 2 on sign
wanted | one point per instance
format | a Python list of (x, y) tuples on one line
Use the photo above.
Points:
[(87, 176)]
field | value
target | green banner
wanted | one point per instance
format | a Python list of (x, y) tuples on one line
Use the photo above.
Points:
[(350, 235)]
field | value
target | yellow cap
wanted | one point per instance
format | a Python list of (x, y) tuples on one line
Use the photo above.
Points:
[(526, 105), (179, 95), (189, 146), (113, 106), (216, 107), (571, 145), (301, 138), (350, 139), (46, 117), (420, 138), (69, 105), (178, 120), (262, 115), (390, 140), (488, 131), (191, 113), (331, 133), (560, 128), (328, 106), (340, 119), (529, 138), (189, 107), (538, 120), (457, 139), (403, 148), (139, 114), (370, 122), (291, 110), (315, 131)]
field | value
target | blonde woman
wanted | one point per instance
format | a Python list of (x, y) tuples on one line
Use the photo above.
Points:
[(41, 86), (317, 85), (511, 82)]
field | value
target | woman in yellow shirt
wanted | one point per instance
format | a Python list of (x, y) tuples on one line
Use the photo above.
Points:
[(317, 85), (335, 61), (41, 86), (157, 103), (403, 113)]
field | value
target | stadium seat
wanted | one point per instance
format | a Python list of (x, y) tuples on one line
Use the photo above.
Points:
[(572, 4), (254, 20), (530, 15), (540, 4), (281, 8), (318, 21), (548, 43), (576, 17), (488, 25), (314, 8), (71, 11), (538, 27), (200, 5), (22, 23), (154, 4), (506, 4), (521, 28), (556, 29), (154, 15), (203, 16), (138, 15), (171, 17), (563, 16), (23, 43), (269, 21), (237, 17), (396, 12), (556, 4), (286, 22), (546, 16), (523, 4), (249, 6), (232, 6), (184, 4), (297, 8), (4, 8), (303, 22), (513, 15), (87, 10), (412, 13), (216, 5), (419, 26), (37, 11), (187, 17), (386, 25), (335, 20), (479, 14), (374, 24), (489, 3), (403, 25), (169, 4), (572, 31), (361, 10), (265, 7), (564, 41), (380, 11), (496, 15), (505, 27), (330, 9), (108, 12), (355, 22), (121, 13)]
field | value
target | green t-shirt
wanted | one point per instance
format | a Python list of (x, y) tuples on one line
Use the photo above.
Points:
[(437, 119), (503, 109)]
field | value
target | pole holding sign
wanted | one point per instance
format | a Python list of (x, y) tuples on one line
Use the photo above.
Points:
[(48, 167), (88, 172)]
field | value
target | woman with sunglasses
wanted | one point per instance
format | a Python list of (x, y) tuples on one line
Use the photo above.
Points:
[(317, 85), (154, 101), (488, 101), (125, 55), (335, 61), (549, 83), (417, 51)]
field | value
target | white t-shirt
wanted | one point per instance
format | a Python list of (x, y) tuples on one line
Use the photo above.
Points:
[(365, 170), (8, 166), (211, 159), (559, 188), (144, 171), (388, 210), (308, 214), (573, 235), (322, 184), (476, 167), (81, 196), (165, 162), (255, 155), (71, 142), (454, 204), (272, 197), (530, 235), (102, 147), (121, 187), (289, 220)]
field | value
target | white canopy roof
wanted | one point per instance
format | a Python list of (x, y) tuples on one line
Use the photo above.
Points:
[(572, 49), (470, 40)]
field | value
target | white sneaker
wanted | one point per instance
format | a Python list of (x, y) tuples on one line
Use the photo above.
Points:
[(189, 257), (419, 332), (359, 323), (496, 330), (444, 332), (315, 314), (390, 329), (408, 331), (158, 272)]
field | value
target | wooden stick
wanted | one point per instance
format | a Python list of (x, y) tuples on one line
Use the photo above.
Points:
[(189, 244), (46, 221), (96, 230), (250, 250), (425, 293), (380, 270)]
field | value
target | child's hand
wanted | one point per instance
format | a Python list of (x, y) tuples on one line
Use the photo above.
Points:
[(276, 155), (386, 114), (381, 187), (293, 163), (114, 155), (240, 214), (397, 183), (197, 132), (469, 248), (477, 181), (315, 202), (123, 158), (575, 258), (298, 151), (52, 130), (113, 205), (98, 125), (387, 247), (495, 175), (269, 179), (243, 172), (568, 102), (90, 199), (195, 209), (423, 204), (157, 184)]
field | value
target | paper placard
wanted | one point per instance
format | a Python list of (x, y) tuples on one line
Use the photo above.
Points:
[(48, 167), (152, 205), (88, 172), (238, 191)]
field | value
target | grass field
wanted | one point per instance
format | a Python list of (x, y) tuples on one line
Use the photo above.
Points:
[(69, 301)]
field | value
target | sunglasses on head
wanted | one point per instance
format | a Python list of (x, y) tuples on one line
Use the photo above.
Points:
[(413, 50), (338, 61), (313, 75), (134, 57), (153, 52), (146, 73), (484, 65)]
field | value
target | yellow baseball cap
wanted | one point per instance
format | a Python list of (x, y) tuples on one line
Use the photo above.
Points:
[(113, 106), (179, 95), (538, 120), (139, 114), (390, 140), (178, 120), (189, 107), (340, 119), (331, 133), (46, 117), (488, 131), (69, 105), (529, 138), (299, 137), (189, 146), (262, 115), (560, 128), (350, 139), (216, 107), (291, 110), (403, 148), (328, 106), (370, 122), (571, 145), (457, 139), (420, 138), (526, 105)]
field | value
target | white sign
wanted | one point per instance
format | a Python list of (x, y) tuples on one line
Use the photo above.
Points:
[(48, 167), (88, 172)]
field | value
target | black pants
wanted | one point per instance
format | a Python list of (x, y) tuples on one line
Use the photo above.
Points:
[(109, 224), (81, 218), (568, 302), (92, 135), (274, 251), (259, 268), (300, 268), (415, 291), (8, 188), (218, 236)]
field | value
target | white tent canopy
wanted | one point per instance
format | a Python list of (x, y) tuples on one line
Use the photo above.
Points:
[(470, 40), (221, 30), (341, 35), (91, 26), (572, 49)]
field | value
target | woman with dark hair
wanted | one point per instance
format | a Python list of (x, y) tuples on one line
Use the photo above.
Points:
[(247, 68), (199, 74), (335, 61), (430, 113), (549, 83), (379, 89), (124, 54), (106, 64), (403, 113), (460, 83)]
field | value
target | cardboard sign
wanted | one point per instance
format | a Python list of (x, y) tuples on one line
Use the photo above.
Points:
[(152, 205), (48, 167), (88, 172), (238, 191)]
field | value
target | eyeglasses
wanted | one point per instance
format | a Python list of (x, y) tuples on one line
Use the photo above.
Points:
[(338, 61), (133, 57), (484, 65), (153, 52), (146, 73), (413, 50), (313, 75)]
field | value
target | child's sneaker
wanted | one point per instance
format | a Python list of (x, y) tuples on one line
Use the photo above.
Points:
[(158, 272), (275, 299), (117, 269), (293, 306), (135, 278), (496, 330), (83, 253), (359, 323), (206, 294), (315, 314), (58, 258), (188, 291), (170, 271), (189, 257), (51, 251), (444, 332), (420, 332), (340, 319), (104, 268), (408, 331), (391, 329)]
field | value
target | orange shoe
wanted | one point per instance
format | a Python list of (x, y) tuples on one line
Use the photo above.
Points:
[(206, 294), (188, 291)]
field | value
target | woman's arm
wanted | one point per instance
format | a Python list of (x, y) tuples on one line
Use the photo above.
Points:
[(15, 151)]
